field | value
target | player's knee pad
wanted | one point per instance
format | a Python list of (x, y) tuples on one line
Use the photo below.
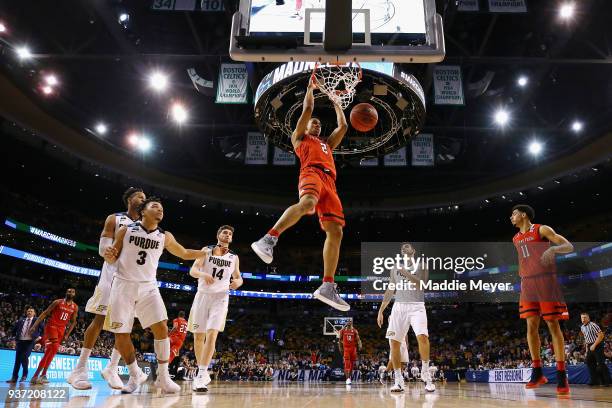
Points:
[(162, 349)]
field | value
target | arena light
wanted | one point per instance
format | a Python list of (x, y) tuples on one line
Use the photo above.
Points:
[(179, 113), (566, 10), (158, 81), (502, 117), (133, 139), (101, 128), (47, 90), (23, 53), (124, 18), (577, 126), (51, 80), (535, 148), (2, 28), (522, 81), (144, 144)]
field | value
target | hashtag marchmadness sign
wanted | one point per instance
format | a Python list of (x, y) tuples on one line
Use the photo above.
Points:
[(448, 85), (232, 85), (507, 6)]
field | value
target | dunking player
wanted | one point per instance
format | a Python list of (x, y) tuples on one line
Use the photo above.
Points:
[(350, 340), (98, 303), (317, 192), (218, 272), (177, 335), (60, 312), (408, 310), (541, 295), (134, 292)]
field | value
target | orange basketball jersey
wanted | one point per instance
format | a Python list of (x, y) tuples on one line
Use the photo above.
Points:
[(181, 328), (349, 338), (62, 314), (315, 152)]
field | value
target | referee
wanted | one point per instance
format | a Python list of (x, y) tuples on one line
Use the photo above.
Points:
[(594, 347)]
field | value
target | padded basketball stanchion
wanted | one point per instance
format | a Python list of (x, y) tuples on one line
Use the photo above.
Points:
[(338, 25)]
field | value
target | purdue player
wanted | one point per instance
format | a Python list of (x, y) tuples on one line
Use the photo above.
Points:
[(408, 310), (218, 272), (134, 292), (98, 303)]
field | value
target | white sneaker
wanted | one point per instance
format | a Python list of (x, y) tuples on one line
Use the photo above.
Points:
[(430, 387), (397, 388), (166, 384), (206, 377), (264, 248), (348, 381), (198, 384), (112, 378), (78, 379), (328, 293), (134, 382)]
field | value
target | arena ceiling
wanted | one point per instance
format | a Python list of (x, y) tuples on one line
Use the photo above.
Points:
[(103, 67)]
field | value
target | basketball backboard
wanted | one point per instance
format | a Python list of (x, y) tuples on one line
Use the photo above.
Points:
[(332, 325), (403, 31)]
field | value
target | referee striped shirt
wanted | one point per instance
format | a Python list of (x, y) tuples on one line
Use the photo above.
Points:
[(590, 332)]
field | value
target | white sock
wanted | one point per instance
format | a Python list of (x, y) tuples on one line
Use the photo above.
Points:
[(133, 368), (201, 370), (162, 349), (82, 363), (425, 365), (162, 370), (115, 357), (398, 376)]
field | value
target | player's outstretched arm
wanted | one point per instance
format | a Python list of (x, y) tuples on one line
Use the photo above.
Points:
[(178, 250), (386, 300), (44, 315), (194, 271), (111, 253), (107, 235), (73, 323), (237, 278), (336, 137), (561, 244), (307, 108)]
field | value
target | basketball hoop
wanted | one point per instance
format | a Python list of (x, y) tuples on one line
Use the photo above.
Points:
[(330, 76)]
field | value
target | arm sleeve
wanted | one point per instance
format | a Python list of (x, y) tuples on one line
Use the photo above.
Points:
[(105, 242)]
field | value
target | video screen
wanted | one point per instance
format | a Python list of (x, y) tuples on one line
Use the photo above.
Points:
[(387, 18)]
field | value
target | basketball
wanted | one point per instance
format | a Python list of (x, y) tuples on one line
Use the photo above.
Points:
[(364, 117)]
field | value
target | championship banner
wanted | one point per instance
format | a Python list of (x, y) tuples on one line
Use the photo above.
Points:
[(396, 158), (507, 6), (256, 149), (369, 162), (448, 85), (283, 158), (233, 84), (423, 150), (468, 5)]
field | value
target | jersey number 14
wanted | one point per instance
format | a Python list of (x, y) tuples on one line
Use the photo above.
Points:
[(217, 273)]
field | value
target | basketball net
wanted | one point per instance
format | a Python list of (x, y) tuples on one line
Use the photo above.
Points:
[(338, 81)]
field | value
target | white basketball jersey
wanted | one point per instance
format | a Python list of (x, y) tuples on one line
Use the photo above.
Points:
[(108, 270), (221, 269), (140, 253)]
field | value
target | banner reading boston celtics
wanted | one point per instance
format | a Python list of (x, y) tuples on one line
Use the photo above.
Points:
[(233, 84)]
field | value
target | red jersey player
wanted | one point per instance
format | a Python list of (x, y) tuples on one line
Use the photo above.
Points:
[(61, 311), (541, 295), (350, 340), (317, 192), (177, 335)]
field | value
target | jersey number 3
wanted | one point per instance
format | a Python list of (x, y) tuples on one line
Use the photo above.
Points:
[(142, 259)]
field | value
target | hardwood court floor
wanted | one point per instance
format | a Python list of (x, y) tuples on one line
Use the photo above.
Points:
[(373, 395)]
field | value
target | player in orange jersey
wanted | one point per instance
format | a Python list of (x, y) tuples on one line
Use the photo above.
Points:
[(177, 335), (60, 312), (349, 342), (317, 192), (541, 295)]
